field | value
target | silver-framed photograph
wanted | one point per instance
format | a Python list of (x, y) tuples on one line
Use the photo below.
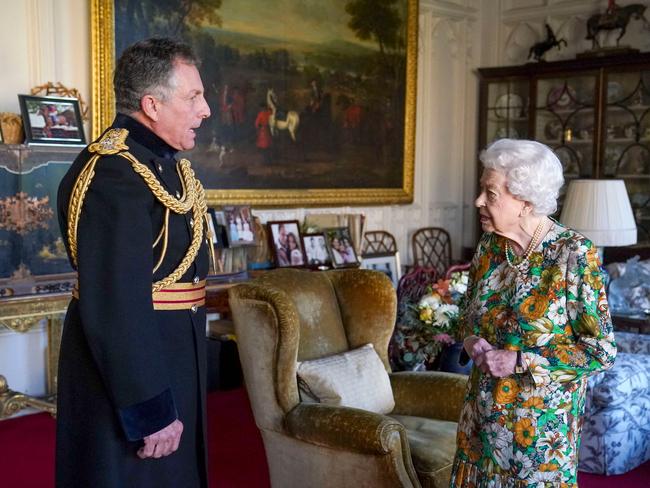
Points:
[(238, 221), (387, 263)]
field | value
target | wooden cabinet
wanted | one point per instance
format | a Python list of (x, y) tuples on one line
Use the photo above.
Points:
[(593, 112)]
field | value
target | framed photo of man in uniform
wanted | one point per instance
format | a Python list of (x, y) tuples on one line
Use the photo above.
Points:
[(284, 237), (316, 250)]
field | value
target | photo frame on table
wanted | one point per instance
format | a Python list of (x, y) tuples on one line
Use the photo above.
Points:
[(316, 251), (387, 263), (286, 243), (2, 139), (219, 235), (349, 108), (239, 225), (341, 247), (52, 120)]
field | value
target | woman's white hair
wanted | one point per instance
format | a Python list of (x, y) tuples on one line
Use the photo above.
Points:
[(533, 172)]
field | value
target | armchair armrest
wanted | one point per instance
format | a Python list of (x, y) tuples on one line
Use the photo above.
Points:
[(345, 428), (430, 394)]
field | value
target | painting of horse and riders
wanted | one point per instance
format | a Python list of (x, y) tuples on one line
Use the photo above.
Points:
[(304, 94)]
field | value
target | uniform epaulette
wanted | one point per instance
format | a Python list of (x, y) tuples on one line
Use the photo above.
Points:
[(111, 143)]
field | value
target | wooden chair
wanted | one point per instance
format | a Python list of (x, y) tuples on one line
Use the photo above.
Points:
[(432, 249), (378, 242)]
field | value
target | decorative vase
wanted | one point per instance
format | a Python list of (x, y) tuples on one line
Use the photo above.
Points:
[(449, 360)]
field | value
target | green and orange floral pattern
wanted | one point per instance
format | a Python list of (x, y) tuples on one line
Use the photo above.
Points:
[(524, 430)]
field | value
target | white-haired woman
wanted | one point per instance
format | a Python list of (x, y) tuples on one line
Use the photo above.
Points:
[(536, 323)]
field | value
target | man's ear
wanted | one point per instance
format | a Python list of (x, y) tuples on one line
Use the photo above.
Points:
[(150, 106)]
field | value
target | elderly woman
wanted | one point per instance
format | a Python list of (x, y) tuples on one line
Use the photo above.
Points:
[(539, 324)]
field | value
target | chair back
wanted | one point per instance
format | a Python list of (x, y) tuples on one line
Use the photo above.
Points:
[(290, 315), (378, 242), (432, 249)]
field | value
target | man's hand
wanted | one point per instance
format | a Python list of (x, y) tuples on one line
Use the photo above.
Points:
[(497, 362), (162, 443), (475, 346)]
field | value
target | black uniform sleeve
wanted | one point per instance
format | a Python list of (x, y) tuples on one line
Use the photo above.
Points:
[(115, 263)]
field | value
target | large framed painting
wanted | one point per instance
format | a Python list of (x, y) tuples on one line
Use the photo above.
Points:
[(313, 102)]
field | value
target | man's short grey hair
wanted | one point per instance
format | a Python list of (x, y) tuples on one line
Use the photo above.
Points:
[(533, 172), (146, 68)]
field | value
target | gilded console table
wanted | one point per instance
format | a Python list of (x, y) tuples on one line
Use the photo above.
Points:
[(21, 314)]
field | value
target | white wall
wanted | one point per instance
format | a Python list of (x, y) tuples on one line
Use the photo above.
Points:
[(48, 40)]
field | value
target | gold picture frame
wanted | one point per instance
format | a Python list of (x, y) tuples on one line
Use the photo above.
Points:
[(103, 112)]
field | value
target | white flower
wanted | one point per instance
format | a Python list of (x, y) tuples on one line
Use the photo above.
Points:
[(588, 294), (444, 314), (523, 463), (544, 477), (432, 300), (557, 311)]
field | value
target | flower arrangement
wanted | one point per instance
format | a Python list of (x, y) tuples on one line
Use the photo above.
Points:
[(429, 324)]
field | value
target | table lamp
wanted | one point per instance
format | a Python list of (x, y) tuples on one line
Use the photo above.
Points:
[(601, 211)]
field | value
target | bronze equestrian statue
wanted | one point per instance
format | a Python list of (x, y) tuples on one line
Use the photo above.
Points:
[(614, 18), (539, 49)]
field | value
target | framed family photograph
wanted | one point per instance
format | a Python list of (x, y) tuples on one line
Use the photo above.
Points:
[(386, 263), (316, 251), (284, 237), (52, 120), (304, 112), (238, 221), (341, 247)]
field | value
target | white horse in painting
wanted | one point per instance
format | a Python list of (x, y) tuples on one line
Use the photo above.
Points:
[(292, 121)]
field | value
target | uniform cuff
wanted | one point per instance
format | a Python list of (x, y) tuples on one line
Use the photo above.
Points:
[(148, 417)]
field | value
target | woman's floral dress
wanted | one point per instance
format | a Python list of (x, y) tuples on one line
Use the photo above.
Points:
[(524, 430)]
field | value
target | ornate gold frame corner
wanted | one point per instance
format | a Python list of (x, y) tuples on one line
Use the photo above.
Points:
[(102, 27)]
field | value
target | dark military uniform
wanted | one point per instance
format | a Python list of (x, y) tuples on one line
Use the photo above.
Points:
[(130, 363)]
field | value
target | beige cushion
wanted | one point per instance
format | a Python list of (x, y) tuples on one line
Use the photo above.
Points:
[(354, 378)]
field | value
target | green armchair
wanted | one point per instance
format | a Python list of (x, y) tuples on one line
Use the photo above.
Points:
[(290, 315)]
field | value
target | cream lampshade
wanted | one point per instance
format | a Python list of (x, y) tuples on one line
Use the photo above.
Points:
[(601, 211)]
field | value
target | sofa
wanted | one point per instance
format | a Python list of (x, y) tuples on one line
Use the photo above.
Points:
[(616, 430)]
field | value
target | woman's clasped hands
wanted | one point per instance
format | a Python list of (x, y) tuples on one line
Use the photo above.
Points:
[(490, 360)]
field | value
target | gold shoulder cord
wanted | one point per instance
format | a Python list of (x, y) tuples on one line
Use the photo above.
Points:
[(193, 198)]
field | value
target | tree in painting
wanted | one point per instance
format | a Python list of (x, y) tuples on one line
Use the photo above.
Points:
[(303, 93)]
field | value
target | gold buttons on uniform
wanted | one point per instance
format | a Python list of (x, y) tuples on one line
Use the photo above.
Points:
[(191, 222), (160, 168), (178, 194)]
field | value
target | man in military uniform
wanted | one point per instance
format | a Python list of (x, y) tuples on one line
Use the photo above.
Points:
[(131, 409)]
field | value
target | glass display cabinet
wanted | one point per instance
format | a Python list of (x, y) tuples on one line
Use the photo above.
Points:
[(593, 112)]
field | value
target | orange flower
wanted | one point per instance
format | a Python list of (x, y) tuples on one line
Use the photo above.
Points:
[(482, 266), (524, 432), (463, 441), (506, 390), (534, 402), (533, 307), (548, 467)]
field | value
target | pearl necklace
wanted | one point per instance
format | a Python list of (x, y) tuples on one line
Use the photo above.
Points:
[(529, 249)]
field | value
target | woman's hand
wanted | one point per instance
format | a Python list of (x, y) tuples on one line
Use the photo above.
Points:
[(475, 346), (497, 362)]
